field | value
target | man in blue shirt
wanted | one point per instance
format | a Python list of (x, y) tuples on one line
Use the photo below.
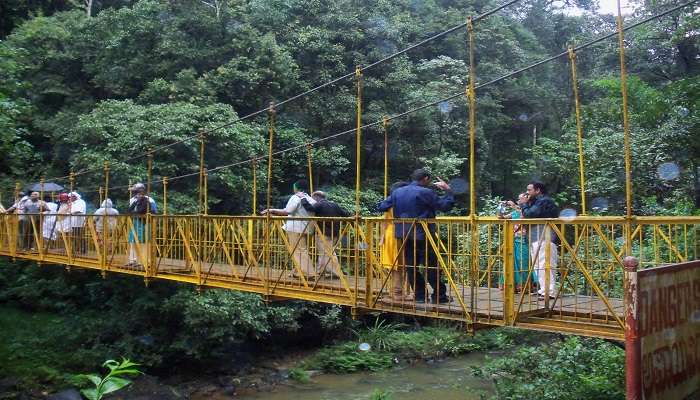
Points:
[(418, 201)]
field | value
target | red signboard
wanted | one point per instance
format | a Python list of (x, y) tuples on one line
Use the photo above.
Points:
[(668, 327)]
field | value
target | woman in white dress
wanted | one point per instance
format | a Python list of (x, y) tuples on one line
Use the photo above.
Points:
[(49, 224), (63, 226)]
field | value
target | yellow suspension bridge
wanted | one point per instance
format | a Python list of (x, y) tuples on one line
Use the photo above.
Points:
[(475, 255)]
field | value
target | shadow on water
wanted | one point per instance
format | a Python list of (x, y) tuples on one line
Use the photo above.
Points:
[(445, 380)]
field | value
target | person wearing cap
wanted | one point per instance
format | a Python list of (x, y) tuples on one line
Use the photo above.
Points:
[(329, 231), (141, 188), (418, 201), (298, 230), (139, 206), (105, 221), (78, 209)]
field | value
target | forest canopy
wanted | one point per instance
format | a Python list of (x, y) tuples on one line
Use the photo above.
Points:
[(107, 80)]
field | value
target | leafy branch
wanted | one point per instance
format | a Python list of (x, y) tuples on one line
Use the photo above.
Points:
[(113, 381)]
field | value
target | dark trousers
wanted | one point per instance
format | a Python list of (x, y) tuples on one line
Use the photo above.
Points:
[(25, 233), (417, 253)]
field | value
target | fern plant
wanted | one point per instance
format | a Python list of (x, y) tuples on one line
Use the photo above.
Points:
[(379, 335), (113, 381)]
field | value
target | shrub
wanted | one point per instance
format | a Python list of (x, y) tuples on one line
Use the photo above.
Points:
[(346, 358), (299, 375), (572, 369)]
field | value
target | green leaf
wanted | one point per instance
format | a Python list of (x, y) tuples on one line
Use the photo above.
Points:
[(130, 371), (95, 379), (111, 364), (90, 394), (113, 384)]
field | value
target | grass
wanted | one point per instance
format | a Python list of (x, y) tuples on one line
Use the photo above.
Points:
[(390, 343), (299, 375), (26, 348)]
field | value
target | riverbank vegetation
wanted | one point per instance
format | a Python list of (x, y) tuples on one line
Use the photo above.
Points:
[(105, 80), (570, 368), (51, 334)]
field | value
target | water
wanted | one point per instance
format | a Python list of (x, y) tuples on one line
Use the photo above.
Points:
[(445, 380)]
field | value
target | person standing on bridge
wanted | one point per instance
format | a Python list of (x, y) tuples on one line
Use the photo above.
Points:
[(139, 206), (78, 209), (297, 230), (33, 209), (139, 191), (105, 223), (18, 208), (328, 233), (49, 224), (418, 201), (543, 250), (63, 226), (391, 258), (521, 246)]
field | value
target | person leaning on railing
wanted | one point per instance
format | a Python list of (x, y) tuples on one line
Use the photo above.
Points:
[(297, 230), (62, 228), (48, 228), (328, 234), (18, 208)]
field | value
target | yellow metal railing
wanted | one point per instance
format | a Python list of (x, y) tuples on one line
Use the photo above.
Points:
[(486, 271)]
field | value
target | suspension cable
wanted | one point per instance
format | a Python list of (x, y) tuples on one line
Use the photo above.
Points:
[(305, 93)]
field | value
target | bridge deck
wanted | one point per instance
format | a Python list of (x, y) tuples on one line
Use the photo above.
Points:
[(475, 258), (580, 314)]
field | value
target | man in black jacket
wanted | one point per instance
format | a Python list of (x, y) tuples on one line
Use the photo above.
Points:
[(328, 232), (543, 250)]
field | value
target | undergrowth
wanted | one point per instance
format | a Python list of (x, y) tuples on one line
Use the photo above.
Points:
[(392, 343), (570, 369)]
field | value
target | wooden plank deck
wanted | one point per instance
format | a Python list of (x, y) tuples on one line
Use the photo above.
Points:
[(486, 302)]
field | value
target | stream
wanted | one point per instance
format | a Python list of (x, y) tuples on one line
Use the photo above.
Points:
[(450, 379)]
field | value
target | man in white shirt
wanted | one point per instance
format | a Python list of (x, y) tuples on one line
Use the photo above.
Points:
[(18, 208), (77, 210), (297, 230)]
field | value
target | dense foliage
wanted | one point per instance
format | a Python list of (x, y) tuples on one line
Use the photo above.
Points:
[(81, 320), (82, 82), (574, 368), (82, 86)]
